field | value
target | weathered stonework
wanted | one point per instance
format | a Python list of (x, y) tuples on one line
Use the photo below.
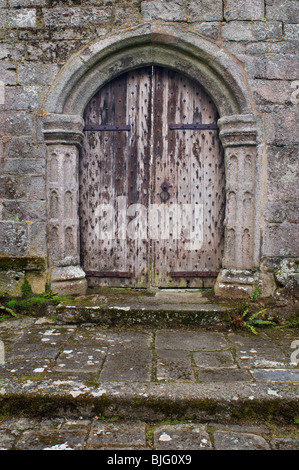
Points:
[(54, 56)]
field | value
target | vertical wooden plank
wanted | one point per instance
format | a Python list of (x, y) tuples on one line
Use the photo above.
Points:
[(139, 148)]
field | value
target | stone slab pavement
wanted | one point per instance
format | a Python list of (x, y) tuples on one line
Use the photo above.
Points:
[(97, 434), (84, 386)]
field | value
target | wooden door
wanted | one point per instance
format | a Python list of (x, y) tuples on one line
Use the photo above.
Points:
[(188, 162), (151, 183)]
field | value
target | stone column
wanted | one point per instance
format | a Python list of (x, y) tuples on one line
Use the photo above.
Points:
[(241, 254), (63, 135)]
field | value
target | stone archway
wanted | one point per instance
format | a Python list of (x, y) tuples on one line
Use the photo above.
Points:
[(221, 77)]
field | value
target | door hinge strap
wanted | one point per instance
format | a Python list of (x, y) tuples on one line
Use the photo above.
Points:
[(194, 274), (100, 127), (202, 127), (107, 274)]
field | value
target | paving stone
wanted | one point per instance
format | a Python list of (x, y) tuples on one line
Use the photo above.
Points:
[(103, 434), (126, 364), (81, 359), (182, 437), (260, 357), (222, 375), (249, 340), (225, 440), (6, 440), (275, 375), (190, 340), (174, 365), (56, 440), (214, 360), (285, 444)]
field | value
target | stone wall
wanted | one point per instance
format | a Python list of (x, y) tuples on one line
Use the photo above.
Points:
[(37, 37)]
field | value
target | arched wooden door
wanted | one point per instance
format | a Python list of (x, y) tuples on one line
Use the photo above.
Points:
[(152, 183)]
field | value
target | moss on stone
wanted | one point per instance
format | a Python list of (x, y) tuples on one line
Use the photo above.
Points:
[(32, 263)]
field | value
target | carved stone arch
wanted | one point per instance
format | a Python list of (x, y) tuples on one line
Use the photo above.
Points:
[(222, 78)]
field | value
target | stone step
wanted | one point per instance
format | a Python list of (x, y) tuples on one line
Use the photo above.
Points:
[(222, 402), (169, 307), (49, 369)]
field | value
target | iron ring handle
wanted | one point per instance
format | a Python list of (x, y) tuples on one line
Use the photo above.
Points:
[(164, 195)]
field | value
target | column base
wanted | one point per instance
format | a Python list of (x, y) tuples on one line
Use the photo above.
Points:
[(68, 280), (235, 283)]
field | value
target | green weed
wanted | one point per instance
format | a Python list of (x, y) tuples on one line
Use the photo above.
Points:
[(250, 315)]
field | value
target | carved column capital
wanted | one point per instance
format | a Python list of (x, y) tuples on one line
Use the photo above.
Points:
[(63, 129), (239, 130)]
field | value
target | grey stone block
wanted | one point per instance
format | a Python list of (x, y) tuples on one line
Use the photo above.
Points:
[(271, 91), (276, 375), (20, 166), (214, 360), (76, 17), (208, 29), (169, 10), (123, 364), (23, 211), (282, 67), (174, 365), (284, 10), (18, 18), (14, 238), (24, 147), (275, 213), (283, 443), (223, 375), (24, 97), (27, 3), (182, 437), (80, 360), (251, 31), (30, 73), (22, 187), (260, 357), (291, 32), (244, 10), (116, 434), (40, 439), (205, 10), (281, 240), (11, 282), (225, 440), (16, 123), (283, 172), (8, 73), (190, 341), (282, 126)]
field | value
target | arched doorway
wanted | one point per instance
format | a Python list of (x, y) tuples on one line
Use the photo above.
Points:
[(151, 183), (241, 134)]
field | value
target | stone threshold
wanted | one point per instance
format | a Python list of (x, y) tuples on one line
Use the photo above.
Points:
[(160, 307)]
